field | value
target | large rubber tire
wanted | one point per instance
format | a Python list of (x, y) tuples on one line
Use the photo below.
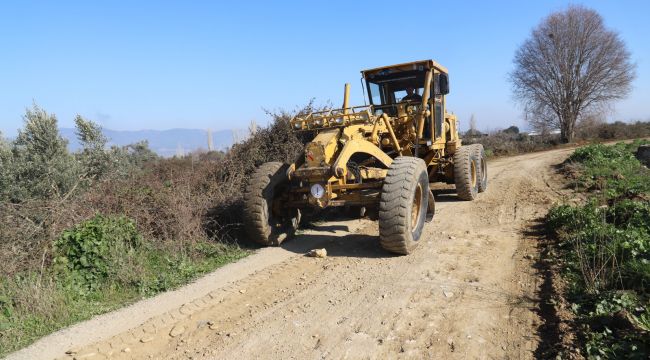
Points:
[(403, 205), (262, 225), (479, 153), (466, 173)]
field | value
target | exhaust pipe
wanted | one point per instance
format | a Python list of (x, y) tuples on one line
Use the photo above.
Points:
[(346, 98)]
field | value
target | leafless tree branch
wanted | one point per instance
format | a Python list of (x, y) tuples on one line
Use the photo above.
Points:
[(570, 65)]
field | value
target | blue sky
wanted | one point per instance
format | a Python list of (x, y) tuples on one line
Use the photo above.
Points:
[(191, 64)]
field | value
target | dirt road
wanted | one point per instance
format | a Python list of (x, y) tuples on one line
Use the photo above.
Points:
[(468, 292)]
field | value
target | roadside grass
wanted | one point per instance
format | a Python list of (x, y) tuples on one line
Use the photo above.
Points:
[(604, 248), (100, 265)]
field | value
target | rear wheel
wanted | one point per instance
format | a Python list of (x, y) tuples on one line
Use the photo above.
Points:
[(265, 222), (403, 205), (466, 175), (479, 154)]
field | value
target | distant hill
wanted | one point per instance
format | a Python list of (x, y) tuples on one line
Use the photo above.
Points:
[(164, 142)]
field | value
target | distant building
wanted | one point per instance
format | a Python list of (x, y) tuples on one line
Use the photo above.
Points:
[(550, 132)]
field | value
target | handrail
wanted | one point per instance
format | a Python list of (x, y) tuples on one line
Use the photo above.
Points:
[(333, 118)]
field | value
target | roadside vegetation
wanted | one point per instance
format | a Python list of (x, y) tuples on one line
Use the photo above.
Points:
[(88, 232), (511, 141), (604, 250)]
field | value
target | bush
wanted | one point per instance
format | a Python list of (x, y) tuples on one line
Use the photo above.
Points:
[(513, 143), (621, 130), (5, 166), (42, 184), (630, 213), (91, 250), (605, 250), (188, 200), (612, 170), (96, 161), (122, 223), (41, 167), (176, 202), (101, 264)]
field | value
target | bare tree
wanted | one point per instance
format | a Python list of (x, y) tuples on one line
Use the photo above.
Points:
[(570, 65)]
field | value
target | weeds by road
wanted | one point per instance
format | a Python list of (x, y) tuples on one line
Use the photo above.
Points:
[(604, 250), (101, 265)]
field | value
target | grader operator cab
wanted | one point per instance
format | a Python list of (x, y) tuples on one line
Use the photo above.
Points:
[(381, 157)]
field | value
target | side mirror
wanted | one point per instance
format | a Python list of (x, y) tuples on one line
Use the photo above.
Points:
[(444, 84)]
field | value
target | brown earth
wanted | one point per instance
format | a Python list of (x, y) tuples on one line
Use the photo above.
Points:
[(470, 291)]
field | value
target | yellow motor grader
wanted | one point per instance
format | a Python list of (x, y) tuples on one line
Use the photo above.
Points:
[(381, 157)]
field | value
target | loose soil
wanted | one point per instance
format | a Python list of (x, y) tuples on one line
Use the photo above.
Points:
[(471, 290)]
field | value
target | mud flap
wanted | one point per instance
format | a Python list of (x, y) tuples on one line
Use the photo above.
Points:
[(431, 208)]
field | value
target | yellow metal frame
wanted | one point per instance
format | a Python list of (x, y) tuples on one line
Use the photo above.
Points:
[(358, 146), (343, 133), (413, 65), (333, 118)]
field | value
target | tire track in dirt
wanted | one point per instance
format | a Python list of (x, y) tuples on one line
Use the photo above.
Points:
[(468, 291)]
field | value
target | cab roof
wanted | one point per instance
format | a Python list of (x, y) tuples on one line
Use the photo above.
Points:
[(414, 65)]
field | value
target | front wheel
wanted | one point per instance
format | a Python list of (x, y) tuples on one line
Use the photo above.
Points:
[(265, 221), (403, 205)]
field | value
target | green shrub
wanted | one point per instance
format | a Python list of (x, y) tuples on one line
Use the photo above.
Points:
[(605, 251), (5, 166), (617, 323), (42, 167), (510, 142), (612, 170), (600, 153), (565, 217), (90, 251), (629, 213), (63, 264)]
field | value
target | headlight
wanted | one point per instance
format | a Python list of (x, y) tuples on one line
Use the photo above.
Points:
[(317, 122), (339, 120), (317, 191), (297, 125)]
